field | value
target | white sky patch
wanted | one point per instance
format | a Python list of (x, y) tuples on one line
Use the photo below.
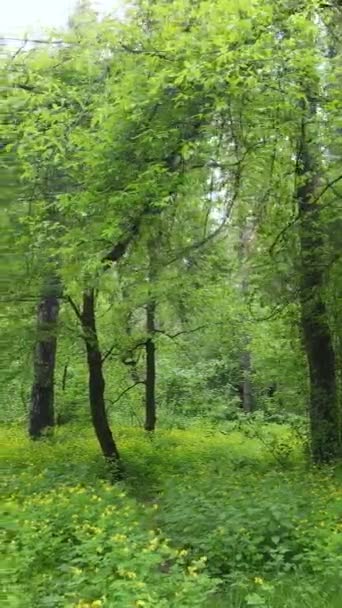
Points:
[(19, 17)]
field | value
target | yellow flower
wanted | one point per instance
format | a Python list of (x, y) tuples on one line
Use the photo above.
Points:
[(77, 571), (96, 604), (118, 538), (140, 603), (131, 575), (153, 544), (127, 573), (258, 580), (183, 553)]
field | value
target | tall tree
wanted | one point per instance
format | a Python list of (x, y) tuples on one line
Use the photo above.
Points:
[(150, 346), (41, 410), (323, 410)]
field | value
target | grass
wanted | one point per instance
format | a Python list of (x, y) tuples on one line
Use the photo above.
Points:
[(204, 518)]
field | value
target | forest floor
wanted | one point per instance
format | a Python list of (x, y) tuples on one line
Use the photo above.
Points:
[(203, 518)]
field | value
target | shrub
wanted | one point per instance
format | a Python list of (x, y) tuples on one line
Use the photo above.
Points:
[(88, 547)]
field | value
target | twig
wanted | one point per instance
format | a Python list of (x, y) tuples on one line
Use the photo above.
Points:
[(108, 353), (74, 307), (126, 391), (179, 333), (295, 219)]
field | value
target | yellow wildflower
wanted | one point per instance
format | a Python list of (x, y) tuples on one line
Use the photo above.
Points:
[(183, 553), (118, 538), (131, 575), (258, 580), (153, 544)]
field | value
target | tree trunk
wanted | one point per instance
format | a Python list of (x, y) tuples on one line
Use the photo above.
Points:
[(323, 403), (132, 362), (41, 414), (97, 383), (246, 385), (246, 240), (150, 383)]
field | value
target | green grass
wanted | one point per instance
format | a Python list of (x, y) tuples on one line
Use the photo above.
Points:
[(203, 518)]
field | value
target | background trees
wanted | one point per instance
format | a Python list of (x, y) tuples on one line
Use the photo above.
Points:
[(174, 176)]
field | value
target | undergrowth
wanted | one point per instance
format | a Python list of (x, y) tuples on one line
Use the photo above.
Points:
[(204, 518)]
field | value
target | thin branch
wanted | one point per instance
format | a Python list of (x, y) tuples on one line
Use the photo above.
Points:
[(32, 40), (131, 350), (295, 219), (329, 185), (126, 391), (153, 53), (179, 333), (75, 308), (108, 353)]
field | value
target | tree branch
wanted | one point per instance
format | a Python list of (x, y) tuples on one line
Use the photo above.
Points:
[(126, 391), (295, 219), (179, 333), (108, 353), (75, 308)]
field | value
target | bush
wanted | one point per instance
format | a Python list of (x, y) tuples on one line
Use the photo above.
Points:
[(255, 522), (199, 511), (82, 547)]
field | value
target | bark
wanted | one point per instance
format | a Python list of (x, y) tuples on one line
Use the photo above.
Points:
[(246, 239), (131, 360), (150, 382), (323, 402), (41, 412), (97, 384)]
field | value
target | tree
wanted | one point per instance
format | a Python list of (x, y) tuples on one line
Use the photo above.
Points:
[(172, 120), (323, 410)]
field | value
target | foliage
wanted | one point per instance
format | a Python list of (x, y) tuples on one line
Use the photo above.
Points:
[(185, 160), (243, 523), (95, 549)]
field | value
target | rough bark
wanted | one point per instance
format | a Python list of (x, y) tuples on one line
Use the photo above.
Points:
[(323, 402), (41, 412), (97, 383), (150, 382)]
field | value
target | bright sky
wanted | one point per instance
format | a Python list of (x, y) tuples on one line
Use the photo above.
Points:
[(20, 16)]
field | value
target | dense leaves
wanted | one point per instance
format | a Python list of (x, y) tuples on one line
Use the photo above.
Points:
[(171, 255)]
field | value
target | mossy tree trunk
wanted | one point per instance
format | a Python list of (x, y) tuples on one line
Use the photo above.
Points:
[(323, 401)]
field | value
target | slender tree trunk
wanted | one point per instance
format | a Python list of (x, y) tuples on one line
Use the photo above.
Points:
[(247, 390), (97, 383), (323, 406), (133, 363), (41, 412), (150, 348), (246, 237), (150, 383)]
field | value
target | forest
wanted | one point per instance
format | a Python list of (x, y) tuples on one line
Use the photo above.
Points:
[(170, 307)]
